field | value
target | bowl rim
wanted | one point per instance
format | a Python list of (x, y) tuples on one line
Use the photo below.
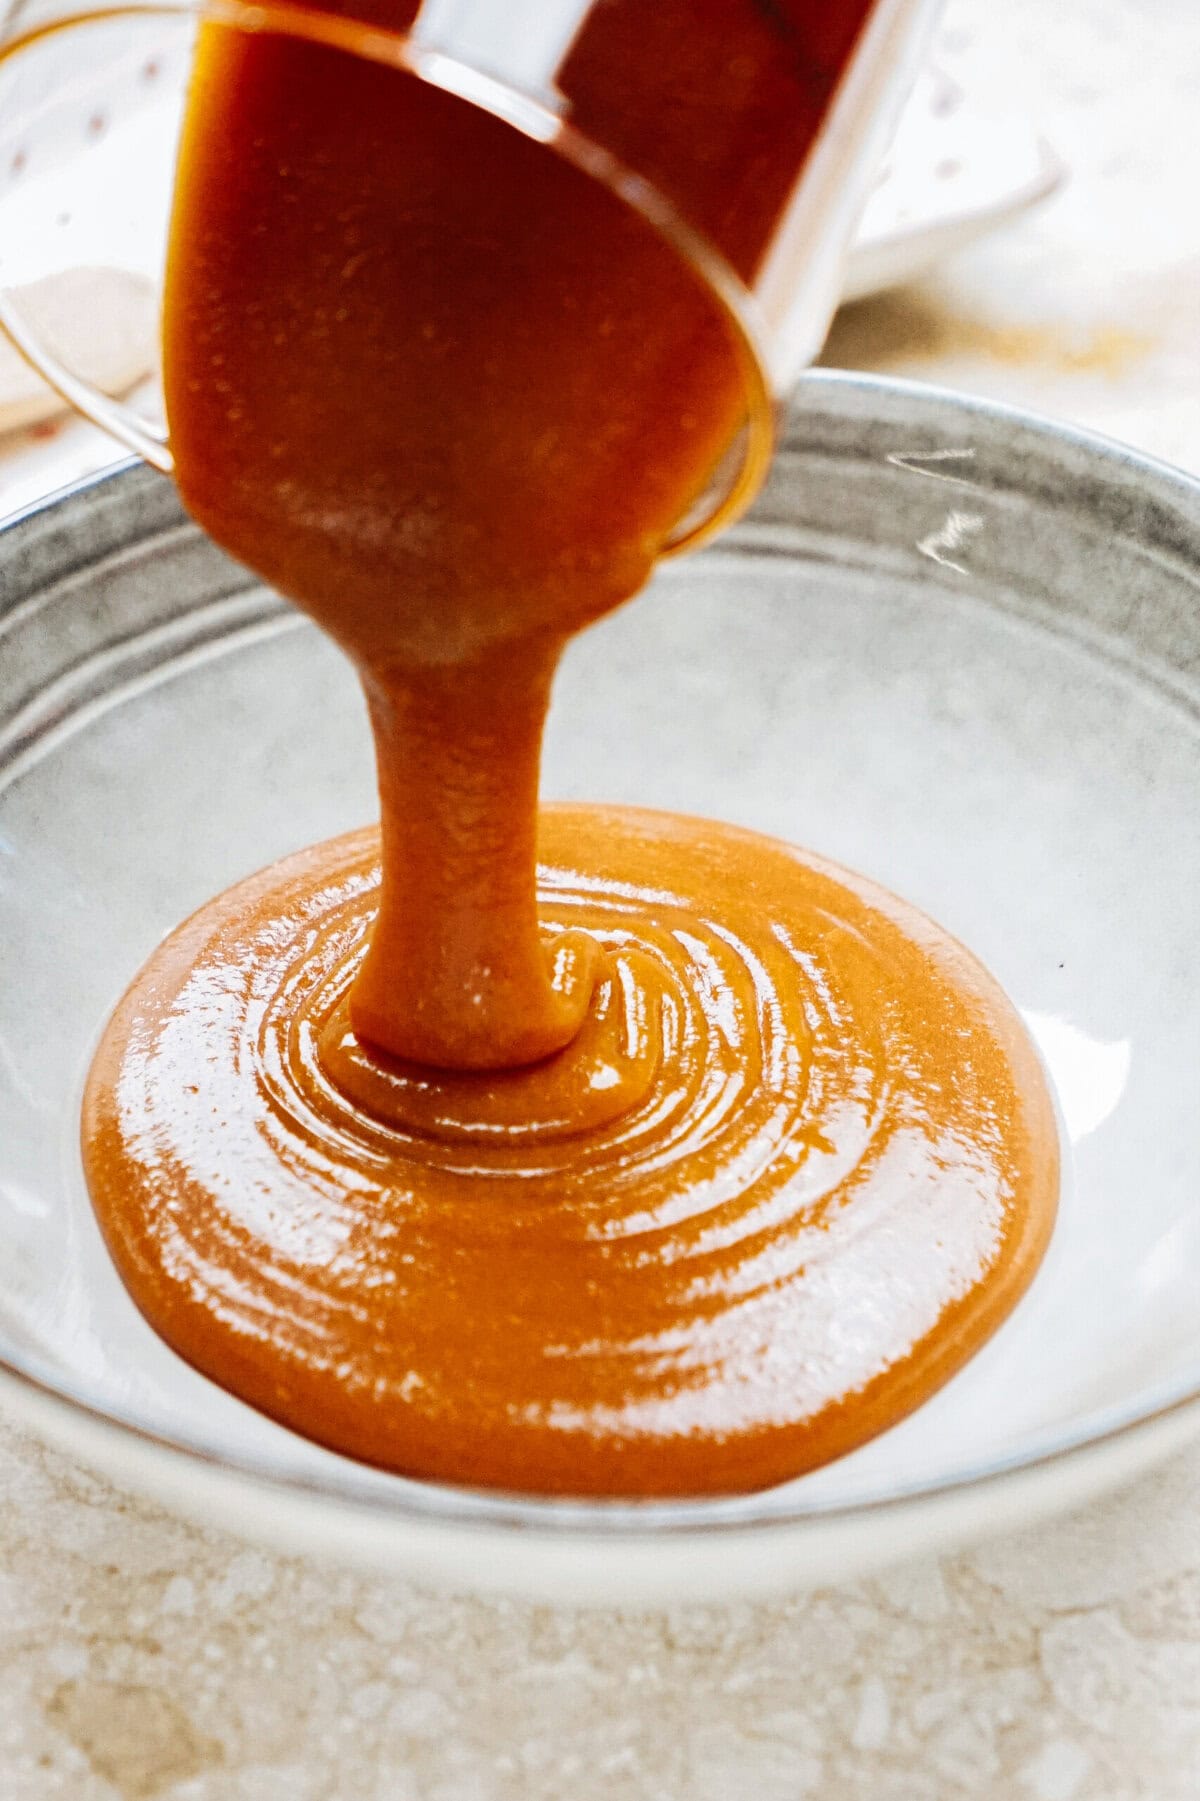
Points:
[(847, 398)]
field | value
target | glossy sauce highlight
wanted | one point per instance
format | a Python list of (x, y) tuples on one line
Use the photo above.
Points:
[(831, 1173), (681, 1162)]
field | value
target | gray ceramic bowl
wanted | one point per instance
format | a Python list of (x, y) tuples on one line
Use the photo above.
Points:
[(953, 647)]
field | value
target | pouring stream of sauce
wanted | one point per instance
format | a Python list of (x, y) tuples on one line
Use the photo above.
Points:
[(699, 1162)]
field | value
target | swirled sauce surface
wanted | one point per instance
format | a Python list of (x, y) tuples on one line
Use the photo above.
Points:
[(796, 1167), (691, 1162)]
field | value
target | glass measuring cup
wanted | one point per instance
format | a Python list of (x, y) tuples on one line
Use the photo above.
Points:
[(744, 132)]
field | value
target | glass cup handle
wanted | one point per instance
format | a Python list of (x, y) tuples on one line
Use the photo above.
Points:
[(69, 84), (121, 422)]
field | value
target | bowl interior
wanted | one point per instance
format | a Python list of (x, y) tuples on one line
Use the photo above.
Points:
[(950, 649)]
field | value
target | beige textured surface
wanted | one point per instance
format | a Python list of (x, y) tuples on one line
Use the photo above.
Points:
[(141, 1658)]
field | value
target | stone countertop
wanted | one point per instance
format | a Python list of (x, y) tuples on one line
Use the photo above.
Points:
[(142, 1657)]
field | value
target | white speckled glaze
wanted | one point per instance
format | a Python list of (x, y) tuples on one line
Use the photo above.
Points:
[(951, 647)]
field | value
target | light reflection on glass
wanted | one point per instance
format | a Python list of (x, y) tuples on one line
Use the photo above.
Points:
[(1089, 1074)]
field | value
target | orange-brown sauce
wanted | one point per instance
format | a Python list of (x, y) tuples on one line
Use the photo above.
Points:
[(830, 1177), (696, 1165)]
